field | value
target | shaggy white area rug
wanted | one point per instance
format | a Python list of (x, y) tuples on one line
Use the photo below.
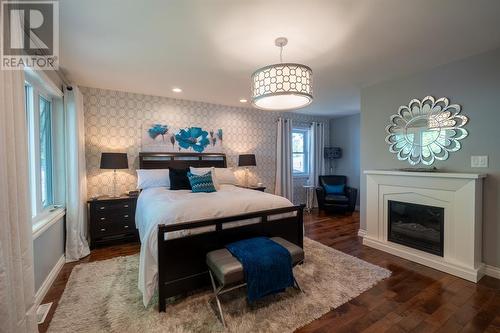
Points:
[(102, 296)]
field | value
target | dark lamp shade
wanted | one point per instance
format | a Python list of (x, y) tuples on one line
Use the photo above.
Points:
[(246, 160), (332, 153), (114, 161)]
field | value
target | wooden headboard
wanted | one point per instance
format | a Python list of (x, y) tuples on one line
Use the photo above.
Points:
[(181, 160)]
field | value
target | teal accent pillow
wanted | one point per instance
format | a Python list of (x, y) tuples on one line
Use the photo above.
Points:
[(334, 189), (201, 183)]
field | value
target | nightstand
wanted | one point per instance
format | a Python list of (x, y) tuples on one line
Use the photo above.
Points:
[(112, 219), (250, 187)]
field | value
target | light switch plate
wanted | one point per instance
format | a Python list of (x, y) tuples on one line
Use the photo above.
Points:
[(479, 161)]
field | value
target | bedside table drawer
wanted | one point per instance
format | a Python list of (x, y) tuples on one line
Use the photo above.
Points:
[(110, 228), (113, 207), (115, 217)]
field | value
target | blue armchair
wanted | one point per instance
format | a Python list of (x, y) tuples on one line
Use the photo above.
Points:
[(334, 194)]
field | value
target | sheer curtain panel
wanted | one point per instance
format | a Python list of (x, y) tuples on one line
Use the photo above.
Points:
[(76, 179), (317, 160), (284, 185), (17, 287)]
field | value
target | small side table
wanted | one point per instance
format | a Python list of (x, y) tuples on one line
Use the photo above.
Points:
[(309, 197)]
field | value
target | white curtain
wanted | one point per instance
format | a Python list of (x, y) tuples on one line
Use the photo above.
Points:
[(17, 286), (76, 177), (317, 160), (284, 185)]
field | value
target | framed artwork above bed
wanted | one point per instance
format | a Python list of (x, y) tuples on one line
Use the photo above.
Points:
[(161, 137)]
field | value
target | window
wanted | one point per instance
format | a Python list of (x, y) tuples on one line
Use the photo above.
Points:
[(39, 116), (300, 151), (45, 152)]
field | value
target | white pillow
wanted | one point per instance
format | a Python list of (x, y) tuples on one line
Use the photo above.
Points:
[(147, 178), (202, 171), (225, 176)]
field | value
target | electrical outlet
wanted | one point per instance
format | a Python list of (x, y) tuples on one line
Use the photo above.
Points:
[(479, 161)]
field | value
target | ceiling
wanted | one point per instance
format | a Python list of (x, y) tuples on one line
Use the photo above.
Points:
[(210, 48)]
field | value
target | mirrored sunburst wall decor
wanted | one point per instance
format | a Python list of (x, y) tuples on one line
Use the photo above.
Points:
[(426, 130)]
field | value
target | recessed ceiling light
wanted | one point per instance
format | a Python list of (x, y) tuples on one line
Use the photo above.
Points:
[(243, 100), (176, 90)]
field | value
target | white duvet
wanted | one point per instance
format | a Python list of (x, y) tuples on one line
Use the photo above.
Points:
[(162, 206)]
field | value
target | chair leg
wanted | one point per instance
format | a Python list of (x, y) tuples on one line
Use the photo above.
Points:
[(216, 294)]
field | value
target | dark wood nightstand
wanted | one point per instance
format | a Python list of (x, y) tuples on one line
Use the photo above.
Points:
[(250, 187), (112, 219)]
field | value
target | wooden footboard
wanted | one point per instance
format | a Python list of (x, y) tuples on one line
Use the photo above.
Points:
[(181, 261)]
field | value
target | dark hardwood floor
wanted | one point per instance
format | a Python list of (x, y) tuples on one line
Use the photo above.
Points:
[(414, 299)]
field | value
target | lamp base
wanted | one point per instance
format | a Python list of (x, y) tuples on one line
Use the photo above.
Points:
[(114, 194), (246, 177)]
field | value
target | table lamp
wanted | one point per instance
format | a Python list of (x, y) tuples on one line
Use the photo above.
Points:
[(114, 161), (332, 154), (246, 160)]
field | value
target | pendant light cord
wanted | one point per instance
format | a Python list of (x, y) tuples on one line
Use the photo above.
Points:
[(281, 54)]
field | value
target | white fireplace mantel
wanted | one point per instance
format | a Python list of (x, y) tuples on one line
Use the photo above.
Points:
[(460, 194), (426, 174)]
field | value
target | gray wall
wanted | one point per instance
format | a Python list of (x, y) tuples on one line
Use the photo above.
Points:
[(474, 83), (344, 133), (48, 248)]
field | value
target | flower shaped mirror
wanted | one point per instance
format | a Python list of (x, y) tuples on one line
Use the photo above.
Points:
[(426, 130)]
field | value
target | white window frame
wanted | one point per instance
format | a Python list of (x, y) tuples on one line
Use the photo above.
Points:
[(306, 133), (40, 86)]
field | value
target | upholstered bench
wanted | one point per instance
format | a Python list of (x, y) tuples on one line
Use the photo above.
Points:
[(228, 271)]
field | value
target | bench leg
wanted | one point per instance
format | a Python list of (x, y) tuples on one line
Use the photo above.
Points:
[(297, 286), (216, 294)]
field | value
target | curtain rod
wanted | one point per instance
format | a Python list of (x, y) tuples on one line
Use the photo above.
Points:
[(58, 72), (303, 122)]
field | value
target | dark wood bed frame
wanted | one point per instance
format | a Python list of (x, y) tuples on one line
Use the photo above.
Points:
[(181, 261)]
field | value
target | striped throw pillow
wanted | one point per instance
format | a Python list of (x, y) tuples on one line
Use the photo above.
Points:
[(201, 183)]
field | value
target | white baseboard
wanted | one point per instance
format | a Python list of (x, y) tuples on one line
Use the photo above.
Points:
[(361, 233), (44, 288), (492, 271)]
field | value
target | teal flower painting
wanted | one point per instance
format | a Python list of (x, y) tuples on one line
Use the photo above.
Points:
[(219, 134), (156, 130), (193, 137), (162, 137)]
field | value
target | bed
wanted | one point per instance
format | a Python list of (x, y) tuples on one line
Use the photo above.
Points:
[(178, 228)]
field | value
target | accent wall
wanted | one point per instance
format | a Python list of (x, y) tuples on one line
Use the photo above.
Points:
[(115, 122)]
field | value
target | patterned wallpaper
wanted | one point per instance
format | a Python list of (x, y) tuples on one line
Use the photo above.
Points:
[(114, 121)]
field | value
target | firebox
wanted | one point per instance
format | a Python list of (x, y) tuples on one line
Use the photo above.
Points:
[(418, 226)]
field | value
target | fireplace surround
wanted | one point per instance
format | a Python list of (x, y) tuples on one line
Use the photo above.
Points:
[(456, 196)]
